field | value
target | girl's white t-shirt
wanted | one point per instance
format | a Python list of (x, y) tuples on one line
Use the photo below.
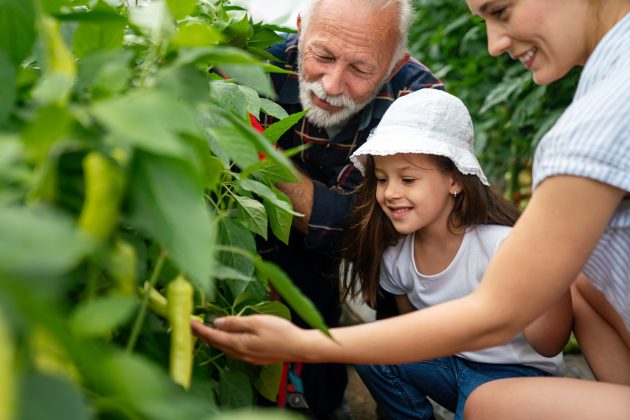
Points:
[(399, 275)]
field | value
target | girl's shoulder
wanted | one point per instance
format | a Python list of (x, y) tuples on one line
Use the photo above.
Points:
[(401, 249)]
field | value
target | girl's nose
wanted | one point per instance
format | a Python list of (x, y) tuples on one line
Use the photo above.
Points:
[(391, 191)]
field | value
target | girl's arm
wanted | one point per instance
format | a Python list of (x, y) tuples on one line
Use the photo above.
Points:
[(549, 333), (531, 271)]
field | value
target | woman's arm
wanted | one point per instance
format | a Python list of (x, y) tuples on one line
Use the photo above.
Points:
[(531, 271), (549, 333)]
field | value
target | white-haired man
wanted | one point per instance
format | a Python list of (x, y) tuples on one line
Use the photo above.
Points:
[(351, 62)]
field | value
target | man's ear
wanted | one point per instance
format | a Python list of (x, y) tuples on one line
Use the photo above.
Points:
[(299, 24), (399, 65)]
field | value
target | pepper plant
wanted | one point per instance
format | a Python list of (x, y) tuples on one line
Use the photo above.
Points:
[(132, 186)]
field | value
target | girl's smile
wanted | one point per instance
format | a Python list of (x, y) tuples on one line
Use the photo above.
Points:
[(413, 193)]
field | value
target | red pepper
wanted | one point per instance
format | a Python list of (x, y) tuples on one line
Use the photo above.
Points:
[(256, 125)]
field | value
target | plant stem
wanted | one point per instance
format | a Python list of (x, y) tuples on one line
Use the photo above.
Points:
[(135, 332), (92, 280)]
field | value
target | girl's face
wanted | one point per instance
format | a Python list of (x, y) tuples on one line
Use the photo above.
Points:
[(413, 192), (548, 37)]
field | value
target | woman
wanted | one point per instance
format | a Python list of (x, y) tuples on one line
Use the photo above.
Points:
[(577, 220)]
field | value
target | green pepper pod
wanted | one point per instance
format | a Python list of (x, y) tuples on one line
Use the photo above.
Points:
[(104, 185), (8, 378), (121, 265), (180, 306)]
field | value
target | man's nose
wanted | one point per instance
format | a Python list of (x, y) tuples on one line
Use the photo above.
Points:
[(498, 40), (333, 80)]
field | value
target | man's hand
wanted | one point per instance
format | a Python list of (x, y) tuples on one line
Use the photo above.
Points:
[(301, 195), (256, 339)]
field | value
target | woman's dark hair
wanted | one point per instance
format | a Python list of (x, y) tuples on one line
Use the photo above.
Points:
[(369, 232)]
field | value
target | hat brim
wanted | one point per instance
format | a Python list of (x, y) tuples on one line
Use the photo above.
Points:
[(380, 144)]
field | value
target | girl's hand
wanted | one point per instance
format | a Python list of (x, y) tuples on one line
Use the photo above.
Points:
[(256, 339)]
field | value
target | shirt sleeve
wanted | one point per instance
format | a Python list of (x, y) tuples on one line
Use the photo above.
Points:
[(328, 215)]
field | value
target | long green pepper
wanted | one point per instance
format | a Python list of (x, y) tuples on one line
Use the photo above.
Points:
[(8, 385), (179, 295), (104, 186)]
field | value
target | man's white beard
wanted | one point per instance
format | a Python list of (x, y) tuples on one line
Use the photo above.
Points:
[(322, 118)]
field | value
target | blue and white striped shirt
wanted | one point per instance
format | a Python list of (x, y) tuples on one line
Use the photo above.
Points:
[(592, 139)]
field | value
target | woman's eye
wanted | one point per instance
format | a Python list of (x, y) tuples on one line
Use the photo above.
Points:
[(499, 12)]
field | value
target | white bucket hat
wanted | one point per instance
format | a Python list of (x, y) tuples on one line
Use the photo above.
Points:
[(427, 121)]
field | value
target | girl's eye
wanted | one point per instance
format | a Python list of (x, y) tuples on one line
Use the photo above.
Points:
[(381, 180), (408, 181)]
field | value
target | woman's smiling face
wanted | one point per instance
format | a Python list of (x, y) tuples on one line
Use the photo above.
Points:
[(549, 37)]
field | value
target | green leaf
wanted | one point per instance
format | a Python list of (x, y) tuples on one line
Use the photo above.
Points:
[(230, 97), (181, 8), (250, 75), (97, 36), (274, 196), (252, 214), (277, 129), (237, 142), (166, 203), (273, 109), (196, 34), (51, 124), (271, 308), (505, 90), (7, 86), (253, 100), (215, 55), (47, 238), (263, 38), (223, 272), (268, 382), (48, 397), (186, 83), (280, 218), (145, 389), (98, 69), (235, 235), (99, 317), (301, 304), (258, 413), (150, 121), (235, 389), (17, 29), (214, 172)]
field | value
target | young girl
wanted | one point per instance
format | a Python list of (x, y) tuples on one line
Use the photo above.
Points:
[(426, 224), (578, 219)]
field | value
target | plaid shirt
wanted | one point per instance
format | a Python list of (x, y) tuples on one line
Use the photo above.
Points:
[(326, 160)]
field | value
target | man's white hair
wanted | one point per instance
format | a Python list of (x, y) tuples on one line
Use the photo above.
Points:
[(405, 17)]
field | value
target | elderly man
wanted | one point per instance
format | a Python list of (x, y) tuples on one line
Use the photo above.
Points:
[(351, 62)]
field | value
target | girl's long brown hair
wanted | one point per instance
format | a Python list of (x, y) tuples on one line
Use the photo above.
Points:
[(369, 232)]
